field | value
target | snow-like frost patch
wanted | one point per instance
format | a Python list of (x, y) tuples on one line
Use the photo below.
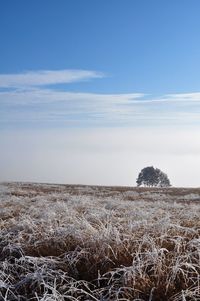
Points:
[(133, 194), (3, 190), (190, 197)]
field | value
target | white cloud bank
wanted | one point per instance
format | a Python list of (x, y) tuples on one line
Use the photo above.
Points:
[(49, 107), (25, 100)]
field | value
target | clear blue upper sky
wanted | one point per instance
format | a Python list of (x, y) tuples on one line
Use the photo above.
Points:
[(142, 46)]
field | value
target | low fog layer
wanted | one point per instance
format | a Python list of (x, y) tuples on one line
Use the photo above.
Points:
[(99, 156)]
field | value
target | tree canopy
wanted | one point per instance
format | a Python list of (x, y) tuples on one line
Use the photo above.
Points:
[(150, 176)]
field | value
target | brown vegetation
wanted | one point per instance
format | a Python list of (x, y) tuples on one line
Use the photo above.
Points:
[(65, 242)]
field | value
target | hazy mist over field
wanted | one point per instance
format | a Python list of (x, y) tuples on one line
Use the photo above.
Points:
[(103, 156)]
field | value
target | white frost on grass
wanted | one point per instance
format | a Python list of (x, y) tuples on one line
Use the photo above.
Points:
[(3, 189), (191, 197), (98, 243)]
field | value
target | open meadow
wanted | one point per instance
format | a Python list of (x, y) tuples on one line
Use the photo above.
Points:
[(67, 242)]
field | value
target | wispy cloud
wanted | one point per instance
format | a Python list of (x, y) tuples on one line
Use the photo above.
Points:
[(27, 101), (189, 97), (47, 77), (48, 106)]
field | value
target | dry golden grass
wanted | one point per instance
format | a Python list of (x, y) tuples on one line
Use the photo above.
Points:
[(65, 242)]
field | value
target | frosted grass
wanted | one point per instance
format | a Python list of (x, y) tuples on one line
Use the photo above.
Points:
[(98, 243)]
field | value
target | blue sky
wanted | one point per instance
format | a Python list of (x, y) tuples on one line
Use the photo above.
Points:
[(74, 67), (142, 46)]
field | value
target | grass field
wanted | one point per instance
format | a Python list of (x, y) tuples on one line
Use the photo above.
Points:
[(65, 242)]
